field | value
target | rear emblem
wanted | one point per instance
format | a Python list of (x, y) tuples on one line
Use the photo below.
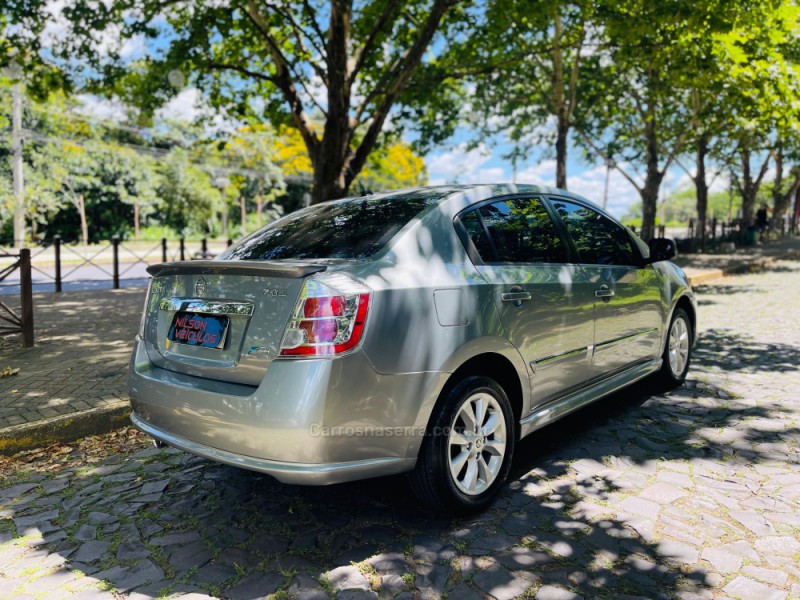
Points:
[(200, 287)]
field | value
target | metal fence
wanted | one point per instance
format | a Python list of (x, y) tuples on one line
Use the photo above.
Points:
[(10, 320), (58, 266)]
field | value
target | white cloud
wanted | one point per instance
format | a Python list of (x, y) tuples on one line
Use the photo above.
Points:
[(543, 173), (462, 165), (186, 106), (719, 183), (101, 108)]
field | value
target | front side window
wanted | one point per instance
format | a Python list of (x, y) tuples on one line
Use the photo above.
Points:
[(355, 228), (598, 239), (519, 231)]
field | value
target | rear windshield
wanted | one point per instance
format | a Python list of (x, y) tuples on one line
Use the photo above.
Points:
[(355, 228)]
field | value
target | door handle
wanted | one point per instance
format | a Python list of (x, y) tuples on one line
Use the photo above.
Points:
[(516, 297), (604, 293)]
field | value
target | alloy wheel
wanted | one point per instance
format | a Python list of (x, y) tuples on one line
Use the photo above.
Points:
[(477, 443), (678, 346)]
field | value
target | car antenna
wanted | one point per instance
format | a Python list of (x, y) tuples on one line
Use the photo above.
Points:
[(364, 192)]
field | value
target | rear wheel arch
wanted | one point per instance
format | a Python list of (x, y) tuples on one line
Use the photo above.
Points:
[(494, 366)]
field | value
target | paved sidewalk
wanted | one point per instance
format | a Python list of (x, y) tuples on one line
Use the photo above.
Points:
[(702, 268), (73, 383)]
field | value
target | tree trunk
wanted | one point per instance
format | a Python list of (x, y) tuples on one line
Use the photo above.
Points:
[(559, 98), (781, 199), (81, 206), (243, 218), (224, 219), (748, 190), (561, 152), (259, 210), (136, 218), (652, 182), (701, 186), (329, 180)]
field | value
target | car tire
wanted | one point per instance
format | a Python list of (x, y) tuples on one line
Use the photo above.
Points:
[(677, 350), (463, 464)]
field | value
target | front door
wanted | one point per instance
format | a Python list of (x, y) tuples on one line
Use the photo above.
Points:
[(627, 304)]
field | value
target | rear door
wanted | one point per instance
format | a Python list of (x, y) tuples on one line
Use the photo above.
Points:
[(521, 255), (625, 294)]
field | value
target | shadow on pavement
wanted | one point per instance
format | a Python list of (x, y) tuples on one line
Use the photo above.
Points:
[(165, 522), (730, 351)]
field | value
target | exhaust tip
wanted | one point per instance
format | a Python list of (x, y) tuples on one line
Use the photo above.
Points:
[(159, 444)]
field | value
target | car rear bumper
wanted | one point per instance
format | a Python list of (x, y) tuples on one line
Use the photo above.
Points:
[(285, 472), (309, 421)]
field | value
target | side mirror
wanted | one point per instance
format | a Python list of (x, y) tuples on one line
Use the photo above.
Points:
[(662, 249)]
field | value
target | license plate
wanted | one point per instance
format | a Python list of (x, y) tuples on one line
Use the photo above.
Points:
[(192, 329)]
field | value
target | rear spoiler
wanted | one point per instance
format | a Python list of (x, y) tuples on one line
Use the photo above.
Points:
[(236, 267)]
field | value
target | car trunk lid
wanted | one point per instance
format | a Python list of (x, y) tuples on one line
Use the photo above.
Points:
[(221, 319)]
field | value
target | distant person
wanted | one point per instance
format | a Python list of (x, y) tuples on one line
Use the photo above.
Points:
[(762, 221)]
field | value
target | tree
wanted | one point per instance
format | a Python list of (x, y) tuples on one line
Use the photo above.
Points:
[(641, 91), (392, 167), (523, 96), (250, 157), (388, 167), (348, 64), (188, 197)]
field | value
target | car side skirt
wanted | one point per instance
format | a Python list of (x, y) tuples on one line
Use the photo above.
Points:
[(552, 411)]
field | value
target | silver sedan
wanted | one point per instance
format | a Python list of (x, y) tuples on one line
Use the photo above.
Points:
[(422, 331)]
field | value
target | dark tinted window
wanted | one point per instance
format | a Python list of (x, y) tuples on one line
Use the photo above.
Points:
[(598, 239), (477, 234), (522, 231), (353, 228)]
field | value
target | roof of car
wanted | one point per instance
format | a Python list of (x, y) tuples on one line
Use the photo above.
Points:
[(476, 191)]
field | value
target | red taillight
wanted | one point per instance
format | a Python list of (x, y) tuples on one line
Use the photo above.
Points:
[(333, 306), (329, 317)]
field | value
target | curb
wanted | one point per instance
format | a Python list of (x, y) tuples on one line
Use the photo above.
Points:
[(701, 276), (64, 428)]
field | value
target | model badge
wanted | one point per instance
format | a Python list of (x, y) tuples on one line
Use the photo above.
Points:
[(200, 287), (275, 291)]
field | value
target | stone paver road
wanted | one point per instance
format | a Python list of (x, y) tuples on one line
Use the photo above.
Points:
[(695, 494)]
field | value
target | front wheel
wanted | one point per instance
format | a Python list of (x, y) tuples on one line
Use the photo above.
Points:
[(677, 350), (466, 454)]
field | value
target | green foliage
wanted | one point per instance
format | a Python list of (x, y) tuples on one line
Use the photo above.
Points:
[(336, 72), (188, 198)]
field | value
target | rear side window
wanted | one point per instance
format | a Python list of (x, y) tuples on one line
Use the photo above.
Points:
[(519, 231), (598, 239), (355, 228)]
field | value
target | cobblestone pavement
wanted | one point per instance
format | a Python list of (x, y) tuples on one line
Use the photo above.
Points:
[(694, 494), (80, 360)]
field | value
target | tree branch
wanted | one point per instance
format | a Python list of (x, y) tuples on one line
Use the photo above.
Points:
[(573, 77), (299, 34), (283, 81), (312, 17), (763, 170), (217, 66), (399, 75), (362, 52), (605, 156)]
